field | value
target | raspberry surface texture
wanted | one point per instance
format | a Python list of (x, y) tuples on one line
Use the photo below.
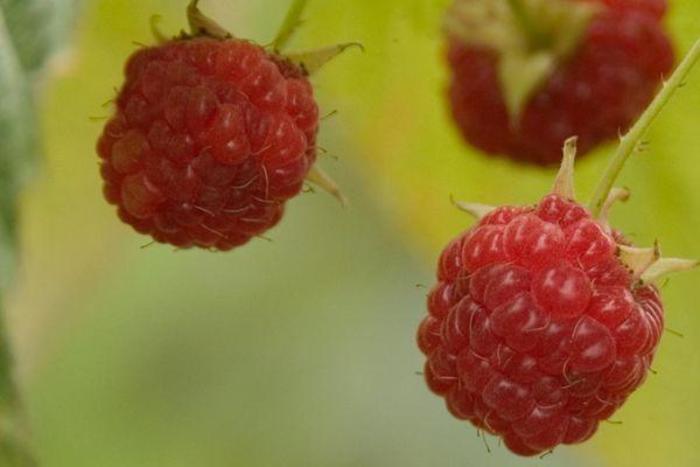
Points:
[(537, 331), (210, 139), (594, 91)]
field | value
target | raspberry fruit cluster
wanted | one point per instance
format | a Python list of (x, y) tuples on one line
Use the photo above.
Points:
[(524, 79), (537, 330), (212, 135)]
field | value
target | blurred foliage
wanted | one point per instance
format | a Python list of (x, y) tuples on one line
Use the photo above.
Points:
[(30, 31), (37, 27), (16, 142), (300, 351)]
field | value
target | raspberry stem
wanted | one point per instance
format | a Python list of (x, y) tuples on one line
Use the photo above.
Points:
[(630, 142)]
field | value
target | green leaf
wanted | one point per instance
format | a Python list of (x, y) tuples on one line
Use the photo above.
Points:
[(17, 143), (37, 27), (29, 31)]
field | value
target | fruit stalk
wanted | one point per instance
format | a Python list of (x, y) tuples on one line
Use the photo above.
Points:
[(632, 140)]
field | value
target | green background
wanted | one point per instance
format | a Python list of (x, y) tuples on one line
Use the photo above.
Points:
[(300, 351)]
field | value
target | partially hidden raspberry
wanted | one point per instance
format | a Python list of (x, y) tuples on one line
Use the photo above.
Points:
[(543, 321), (592, 83), (212, 135)]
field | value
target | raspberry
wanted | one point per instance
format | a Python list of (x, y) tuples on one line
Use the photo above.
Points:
[(593, 80), (544, 319), (525, 339), (212, 136)]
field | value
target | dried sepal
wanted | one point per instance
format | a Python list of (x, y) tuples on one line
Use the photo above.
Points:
[(154, 23), (564, 183), (666, 266), (200, 24), (313, 60), (477, 210), (638, 260), (320, 178), (616, 195)]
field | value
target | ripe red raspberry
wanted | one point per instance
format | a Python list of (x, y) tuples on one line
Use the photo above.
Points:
[(544, 320), (537, 331), (211, 136), (524, 96)]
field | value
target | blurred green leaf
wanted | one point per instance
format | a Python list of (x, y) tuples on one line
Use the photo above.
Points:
[(13, 452), (29, 31), (17, 141), (36, 27)]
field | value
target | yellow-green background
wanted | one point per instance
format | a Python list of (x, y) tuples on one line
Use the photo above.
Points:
[(300, 351)]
